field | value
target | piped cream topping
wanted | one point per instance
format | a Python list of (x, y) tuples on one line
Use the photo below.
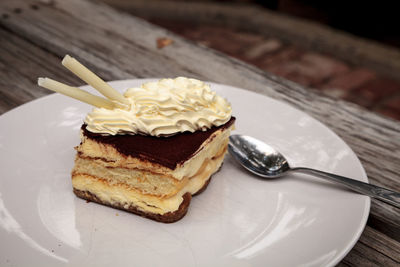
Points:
[(163, 108)]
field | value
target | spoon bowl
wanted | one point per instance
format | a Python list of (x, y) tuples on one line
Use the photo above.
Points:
[(264, 161), (257, 157)]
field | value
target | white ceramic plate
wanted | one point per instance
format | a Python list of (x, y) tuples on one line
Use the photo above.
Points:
[(238, 221)]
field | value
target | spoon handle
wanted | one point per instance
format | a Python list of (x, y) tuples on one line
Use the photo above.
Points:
[(386, 195)]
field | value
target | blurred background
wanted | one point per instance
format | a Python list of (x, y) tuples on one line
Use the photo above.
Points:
[(346, 49)]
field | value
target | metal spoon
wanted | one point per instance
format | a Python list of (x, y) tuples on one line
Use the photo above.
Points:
[(265, 161)]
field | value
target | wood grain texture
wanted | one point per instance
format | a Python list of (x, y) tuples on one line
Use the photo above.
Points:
[(21, 63), (374, 249), (314, 36), (118, 46)]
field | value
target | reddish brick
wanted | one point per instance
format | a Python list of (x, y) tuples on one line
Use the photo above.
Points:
[(287, 53), (246, 38), (350, 80), (391, 107), (222, 40), (227, 40), (335, 77), (227, 34), (322, 67), (193, 35), (294, 71), (377, 90), (262, 48), (309, 68), (393, 103)]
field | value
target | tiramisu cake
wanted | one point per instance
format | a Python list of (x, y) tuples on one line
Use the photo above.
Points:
[(151, 158), (149, 150)]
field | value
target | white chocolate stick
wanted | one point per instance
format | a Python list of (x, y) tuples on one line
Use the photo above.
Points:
[(92, 79), (76, 93)]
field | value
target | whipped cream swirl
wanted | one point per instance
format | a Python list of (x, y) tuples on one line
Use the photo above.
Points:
[(163, 108)]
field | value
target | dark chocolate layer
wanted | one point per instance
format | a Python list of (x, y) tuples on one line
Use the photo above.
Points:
[(166, 151)]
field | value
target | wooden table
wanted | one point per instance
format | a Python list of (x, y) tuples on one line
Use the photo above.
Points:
[(35, 35)]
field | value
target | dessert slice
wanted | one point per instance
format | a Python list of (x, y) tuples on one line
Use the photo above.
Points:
[(149, 150), (150, 176)]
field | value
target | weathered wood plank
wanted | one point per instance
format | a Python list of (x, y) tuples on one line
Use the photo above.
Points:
[(374, 249), (113, 53), (117, 53), (359, 257), (380, 220), (313, 36), (21, 63), (34, 40), (381, 243)]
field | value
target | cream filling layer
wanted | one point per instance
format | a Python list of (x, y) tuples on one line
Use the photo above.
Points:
[(123, 195), (208, 149)]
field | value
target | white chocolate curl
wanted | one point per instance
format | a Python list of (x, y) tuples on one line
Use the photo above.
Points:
[(163, 108)]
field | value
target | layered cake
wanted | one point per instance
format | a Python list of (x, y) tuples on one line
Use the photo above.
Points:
[(150, 155)]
